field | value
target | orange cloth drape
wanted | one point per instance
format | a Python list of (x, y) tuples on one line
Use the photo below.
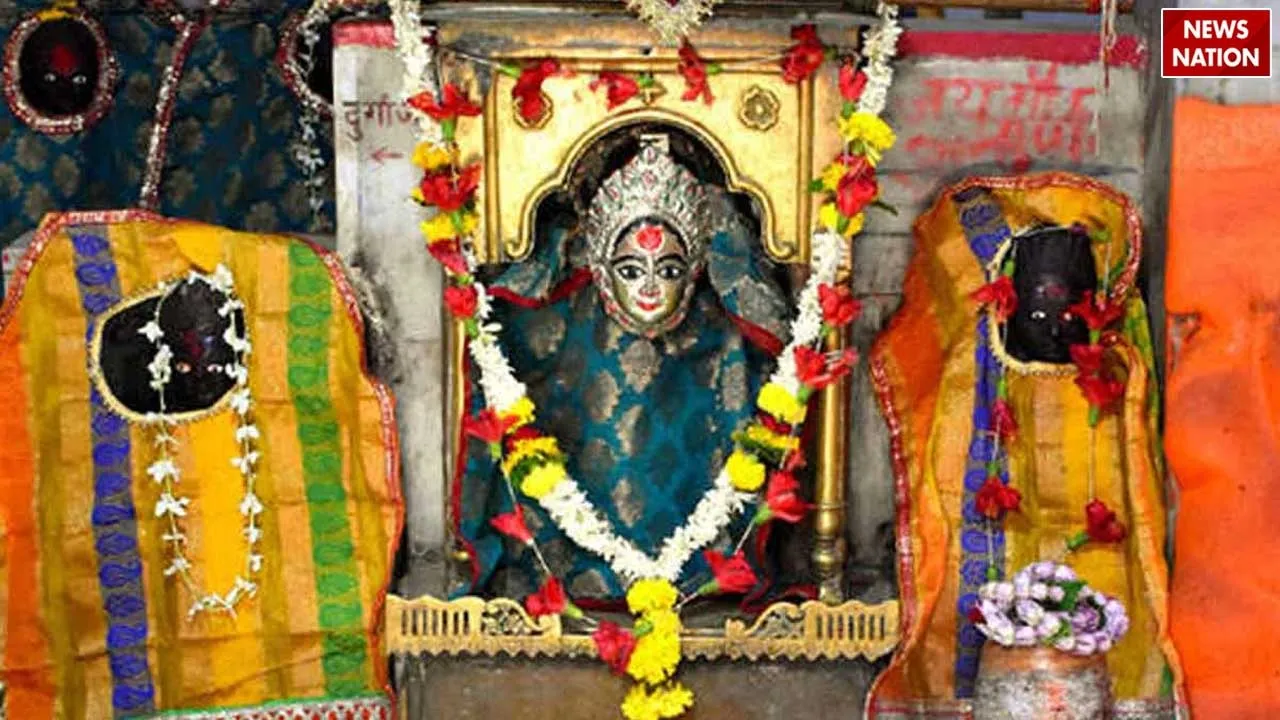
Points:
[(1223, 408)]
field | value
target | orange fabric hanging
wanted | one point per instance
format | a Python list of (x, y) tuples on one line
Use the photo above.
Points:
[(1223, 405)]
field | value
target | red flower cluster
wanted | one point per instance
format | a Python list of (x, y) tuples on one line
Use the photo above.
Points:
[(618, 87), (449, 254), (528, 88), (487, 426), (733, 574), (1003, 422), (1000, 296), (461, 300), (549, 600), (1098, 313), (858, 187), (804, 58), (1102, 523), (453, 104), (852, 81), (614, 645), (782, 500), (512, 525), (449, 191), (695, 71), (1095, 380), (994, 499), (839, 306), (817, 370)]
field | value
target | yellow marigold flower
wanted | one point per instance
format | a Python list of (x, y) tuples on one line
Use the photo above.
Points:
[(651, 594), (745, 471), (522, 410), (832, 175), (526, 448), (855, 225), (439, 228), (874, 133), (662, 703), (775, 400), (431, 157), (542, 479), (655, 657), (829, 217), (769, 438)]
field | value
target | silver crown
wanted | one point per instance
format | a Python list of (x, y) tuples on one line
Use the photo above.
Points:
[(650, 185)]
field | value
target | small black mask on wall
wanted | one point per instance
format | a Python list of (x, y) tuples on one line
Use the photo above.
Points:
[(193, 330), (59, 68), (1053, 268)]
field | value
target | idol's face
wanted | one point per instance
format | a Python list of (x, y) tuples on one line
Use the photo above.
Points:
[(60, 68), (1052, 273), (650, 274)]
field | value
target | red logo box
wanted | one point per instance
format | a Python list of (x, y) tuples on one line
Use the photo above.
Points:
[(1216, 43)]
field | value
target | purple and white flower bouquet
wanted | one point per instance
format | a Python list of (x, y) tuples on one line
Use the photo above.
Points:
[(1047, 604)]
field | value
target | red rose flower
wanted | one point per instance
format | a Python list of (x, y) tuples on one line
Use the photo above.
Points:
[(462, 300), (1000, 295), (528, 88), (448, 192), (521, 433), (733, 573), (1088, 358), (512, 525), (795, 461), (856, 190), (1102, 391), (1098, 313), (1002, 420), (452, 105), (773, 423), (975, 615), (782, 500), (618, 87), (995, 498), (852, 81), (805, 57), (549, 600), (614, 645), (839, 306), (1102, 524), (487, 426), (448, 254), (695, 72)]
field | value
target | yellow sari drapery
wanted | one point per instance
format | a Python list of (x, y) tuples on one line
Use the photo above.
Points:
[(90, 627), (925, 373)]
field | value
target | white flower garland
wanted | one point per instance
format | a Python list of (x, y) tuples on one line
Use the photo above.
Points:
[(171, 505), (568, 505), (879, 48)]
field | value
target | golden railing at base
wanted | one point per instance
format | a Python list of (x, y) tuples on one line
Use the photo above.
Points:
[(474, 626)]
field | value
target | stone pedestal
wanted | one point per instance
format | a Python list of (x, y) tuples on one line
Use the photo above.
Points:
[(490, 688)]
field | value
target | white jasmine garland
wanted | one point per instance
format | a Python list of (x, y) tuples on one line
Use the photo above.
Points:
[(879, 49), (164, 471)]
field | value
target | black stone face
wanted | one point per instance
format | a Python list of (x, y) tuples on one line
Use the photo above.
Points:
[(193, 330), (1053, 269), (59, 66)]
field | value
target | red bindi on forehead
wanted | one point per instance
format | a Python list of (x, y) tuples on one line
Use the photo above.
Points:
[(1056, 291), (649, 238)]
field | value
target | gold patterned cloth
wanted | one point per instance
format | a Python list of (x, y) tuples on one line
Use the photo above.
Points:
[(90, 626), (928, 367)]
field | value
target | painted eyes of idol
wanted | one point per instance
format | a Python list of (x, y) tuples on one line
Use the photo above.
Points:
[(77, 79), (1041, 315), (670, 268)]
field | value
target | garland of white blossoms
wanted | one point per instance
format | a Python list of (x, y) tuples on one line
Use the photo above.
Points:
[(565, 501), (171, 505), (879, 47)]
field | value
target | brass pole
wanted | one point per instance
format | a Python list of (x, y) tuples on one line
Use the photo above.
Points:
[(832, 469)]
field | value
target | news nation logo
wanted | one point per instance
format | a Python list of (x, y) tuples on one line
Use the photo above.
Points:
[(1217, 43)]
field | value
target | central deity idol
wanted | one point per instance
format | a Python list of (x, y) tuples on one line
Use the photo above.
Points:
[(643, 325)]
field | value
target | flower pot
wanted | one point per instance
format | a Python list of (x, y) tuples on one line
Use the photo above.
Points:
[(1039, 683)]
